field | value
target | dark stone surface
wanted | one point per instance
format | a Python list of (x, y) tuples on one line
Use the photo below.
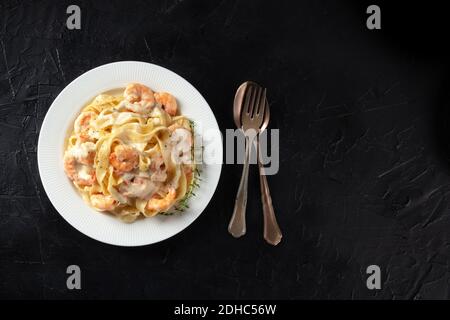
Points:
[(364, 173)]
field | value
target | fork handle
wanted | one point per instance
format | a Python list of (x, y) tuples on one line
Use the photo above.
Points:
[(237, 226), (272, 232)]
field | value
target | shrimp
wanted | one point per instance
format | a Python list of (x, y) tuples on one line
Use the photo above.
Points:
[(189, 174), (168, 102), (158, 167), (124, 158), (181, 140), (139, 98), (81, 174), (78, 163), (156, 162), (138, 187), (103, 202), (83, 125), (84, 152), (162, 204)]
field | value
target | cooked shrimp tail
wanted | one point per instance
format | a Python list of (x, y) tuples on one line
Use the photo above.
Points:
[(162, 204), (124, 158), (167, 102), (103, 202), (139, 98)]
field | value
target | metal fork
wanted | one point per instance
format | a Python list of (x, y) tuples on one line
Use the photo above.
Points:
[(252, 118)]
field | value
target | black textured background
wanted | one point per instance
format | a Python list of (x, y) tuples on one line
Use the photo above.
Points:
[(364, 173)]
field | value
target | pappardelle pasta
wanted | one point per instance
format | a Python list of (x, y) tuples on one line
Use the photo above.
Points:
[(131, 154)]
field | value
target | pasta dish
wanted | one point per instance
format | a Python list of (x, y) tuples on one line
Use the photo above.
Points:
[(132, 154)]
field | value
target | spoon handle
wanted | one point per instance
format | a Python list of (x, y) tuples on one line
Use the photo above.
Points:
[(237, 226), (272, 232)]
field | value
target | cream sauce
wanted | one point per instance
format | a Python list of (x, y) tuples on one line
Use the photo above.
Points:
[(82, 150), (139, 188)]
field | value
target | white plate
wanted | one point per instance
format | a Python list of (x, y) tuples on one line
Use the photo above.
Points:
[(59, 120)]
